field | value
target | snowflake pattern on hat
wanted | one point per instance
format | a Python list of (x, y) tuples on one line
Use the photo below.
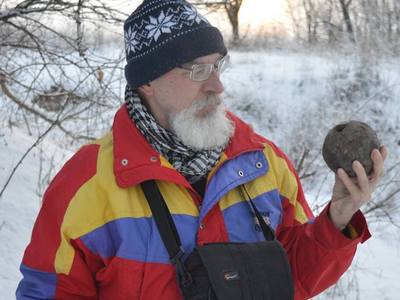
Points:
[(160, 25), (192, 14), (151, 30), (130, 40)]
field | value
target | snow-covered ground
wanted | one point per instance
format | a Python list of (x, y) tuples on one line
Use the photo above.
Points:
[(20, 202), (269, 90)]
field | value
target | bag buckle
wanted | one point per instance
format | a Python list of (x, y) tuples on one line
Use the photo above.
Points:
[(184, 276), (177, 257)]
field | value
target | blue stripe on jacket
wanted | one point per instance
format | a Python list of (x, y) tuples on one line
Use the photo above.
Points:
[(241, 223), (233, 173), (138, 238), (36, 284)]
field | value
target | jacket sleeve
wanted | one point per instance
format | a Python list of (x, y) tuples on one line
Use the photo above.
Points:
[(55, 263), (318, 252)]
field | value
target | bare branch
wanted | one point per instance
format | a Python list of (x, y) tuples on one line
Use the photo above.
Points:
[(38, 140), (55, 122)]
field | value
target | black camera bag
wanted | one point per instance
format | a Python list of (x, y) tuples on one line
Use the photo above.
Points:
[(222, 271)]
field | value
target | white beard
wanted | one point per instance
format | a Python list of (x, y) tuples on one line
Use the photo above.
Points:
[(203, 133)]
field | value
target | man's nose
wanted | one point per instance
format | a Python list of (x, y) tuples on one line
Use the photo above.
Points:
[(213, 85)]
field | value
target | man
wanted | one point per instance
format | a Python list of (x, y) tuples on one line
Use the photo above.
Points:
[(95, 237)]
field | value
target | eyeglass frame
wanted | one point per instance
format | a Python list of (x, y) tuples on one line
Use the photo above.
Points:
[(216, 66)]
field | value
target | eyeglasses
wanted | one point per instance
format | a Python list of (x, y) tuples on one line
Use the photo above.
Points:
[(201, 72)]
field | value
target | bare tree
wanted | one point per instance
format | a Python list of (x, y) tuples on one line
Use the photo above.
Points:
[(396, 18), (293, 11), (372, 24), (311, 22), (54, 79), (327, 20), (345, 7), (41, 53), (231, 8)]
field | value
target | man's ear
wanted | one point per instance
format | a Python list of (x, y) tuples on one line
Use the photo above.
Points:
[(146, 90)]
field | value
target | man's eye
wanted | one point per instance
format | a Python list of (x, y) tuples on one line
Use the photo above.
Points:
[(201, 71)]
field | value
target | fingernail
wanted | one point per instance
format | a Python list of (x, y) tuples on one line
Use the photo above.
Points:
[(376, 152)]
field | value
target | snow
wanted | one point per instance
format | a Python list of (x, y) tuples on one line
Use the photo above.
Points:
[(283, 85), (20, 202), (378, 260), (375, 269)]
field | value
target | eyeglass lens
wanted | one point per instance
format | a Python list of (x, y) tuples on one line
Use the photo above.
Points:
[(202, 72)]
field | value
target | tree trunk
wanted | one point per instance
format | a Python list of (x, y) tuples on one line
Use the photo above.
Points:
[(310, 20), (346, 16), (293, 10), (232, 8)]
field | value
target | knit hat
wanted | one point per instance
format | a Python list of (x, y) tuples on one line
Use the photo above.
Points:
[(163, 34)]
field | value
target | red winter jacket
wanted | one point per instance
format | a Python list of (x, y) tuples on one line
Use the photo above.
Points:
[(95, 238)]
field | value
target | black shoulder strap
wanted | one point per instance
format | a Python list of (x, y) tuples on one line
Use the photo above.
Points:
[(163, 219), (167, 229)]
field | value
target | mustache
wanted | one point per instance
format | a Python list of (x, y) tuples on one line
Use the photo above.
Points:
[(209, 100)]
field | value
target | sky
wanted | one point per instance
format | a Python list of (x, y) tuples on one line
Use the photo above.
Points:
[(262, 12), (253, 14), (257, 12)]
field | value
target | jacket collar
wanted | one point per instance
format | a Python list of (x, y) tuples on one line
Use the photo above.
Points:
[(135, 160)]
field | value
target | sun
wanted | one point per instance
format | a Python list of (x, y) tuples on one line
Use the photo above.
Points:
[(261, 12)]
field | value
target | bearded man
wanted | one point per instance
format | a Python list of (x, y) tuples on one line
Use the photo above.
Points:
[(223, 186)]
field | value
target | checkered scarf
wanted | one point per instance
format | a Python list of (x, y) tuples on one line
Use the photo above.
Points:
[(192, 164)]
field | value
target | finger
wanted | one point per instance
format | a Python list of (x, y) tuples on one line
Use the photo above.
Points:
[(384, 151), (362, 178), (378, 160), (348, 183)]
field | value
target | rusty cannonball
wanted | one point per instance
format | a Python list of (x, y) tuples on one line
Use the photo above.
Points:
[(347, 142)]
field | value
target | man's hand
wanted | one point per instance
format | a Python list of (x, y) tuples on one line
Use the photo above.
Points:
[(349, 194)]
